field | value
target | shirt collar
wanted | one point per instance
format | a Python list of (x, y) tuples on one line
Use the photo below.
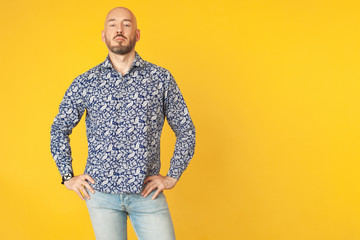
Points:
[(138, 62)]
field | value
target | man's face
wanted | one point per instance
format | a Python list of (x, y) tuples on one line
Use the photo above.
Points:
[(120, 32)]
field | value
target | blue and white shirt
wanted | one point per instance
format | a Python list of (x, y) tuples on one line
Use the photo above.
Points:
[(125, 115)]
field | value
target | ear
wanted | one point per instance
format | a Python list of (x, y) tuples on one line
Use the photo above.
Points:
[(103, 35), (137, 35)]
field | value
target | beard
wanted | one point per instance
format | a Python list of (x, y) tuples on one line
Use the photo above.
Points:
[(119, 48)]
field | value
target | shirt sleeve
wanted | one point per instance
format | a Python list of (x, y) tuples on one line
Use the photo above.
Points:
[(71, 110), (179, 119)]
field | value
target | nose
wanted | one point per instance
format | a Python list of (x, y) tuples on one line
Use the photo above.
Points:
[(119, 29)]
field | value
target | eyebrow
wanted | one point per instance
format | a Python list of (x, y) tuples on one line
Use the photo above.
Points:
[(113, 19)]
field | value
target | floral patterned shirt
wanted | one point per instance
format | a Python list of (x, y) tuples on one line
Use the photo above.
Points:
[(125, 115)]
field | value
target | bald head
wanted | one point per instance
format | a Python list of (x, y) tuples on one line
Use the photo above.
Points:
[(120, 31), (120, 12)]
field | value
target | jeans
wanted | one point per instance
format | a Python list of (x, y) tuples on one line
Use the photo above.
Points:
[(150, 218)]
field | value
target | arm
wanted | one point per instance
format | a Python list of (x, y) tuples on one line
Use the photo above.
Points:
[(179, 119), (71, 109)]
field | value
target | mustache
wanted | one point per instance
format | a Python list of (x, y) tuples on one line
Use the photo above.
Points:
[(120, 35)]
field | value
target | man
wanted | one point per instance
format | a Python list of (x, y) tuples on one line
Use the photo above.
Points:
[(126, 100)]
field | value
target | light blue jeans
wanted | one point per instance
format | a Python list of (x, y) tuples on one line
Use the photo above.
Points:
[(150, 218)]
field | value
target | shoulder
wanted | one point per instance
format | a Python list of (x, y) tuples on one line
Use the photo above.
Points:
[(160, 76), (89, 74), (156, 70), (87, 77)]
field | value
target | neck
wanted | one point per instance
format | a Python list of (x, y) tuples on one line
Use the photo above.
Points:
[(122, 63)]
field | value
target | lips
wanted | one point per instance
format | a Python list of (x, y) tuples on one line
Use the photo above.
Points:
[(119, 38)]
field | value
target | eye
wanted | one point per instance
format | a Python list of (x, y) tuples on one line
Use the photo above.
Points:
[(111, 25)]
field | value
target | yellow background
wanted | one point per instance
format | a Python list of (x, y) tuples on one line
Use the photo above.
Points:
[(272, 88)]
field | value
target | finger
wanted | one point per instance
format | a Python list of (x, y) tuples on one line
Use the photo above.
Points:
[(149, 189), (88, 187), (83, 190), (156, 193), (90, 179), (78, 193), (148, 179), (146, 189)]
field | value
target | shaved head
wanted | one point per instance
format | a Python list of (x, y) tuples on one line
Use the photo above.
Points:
[(120, 31), (122, 11)]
